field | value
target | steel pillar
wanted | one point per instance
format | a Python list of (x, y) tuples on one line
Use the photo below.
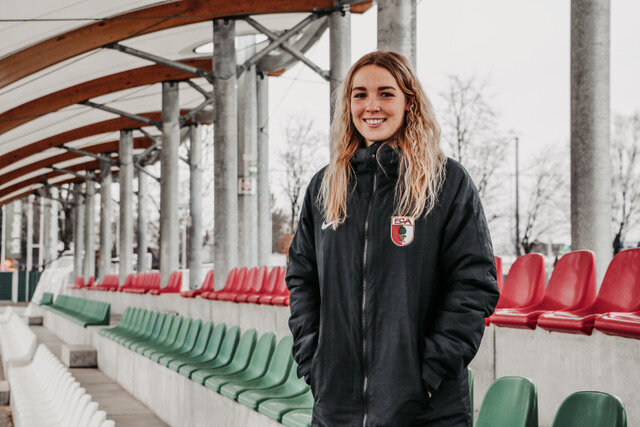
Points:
[(89, 230), (41, 228), (106, 239), (29, 254), (195, 207), (169, 243), (397, 27), (52, 249), (247, 160), (143, 218), (226, 150), (339, 52), (264, 192), (78, 231), (125, 175), (590, 111)]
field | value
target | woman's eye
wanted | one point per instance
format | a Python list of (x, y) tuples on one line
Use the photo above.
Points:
[(386, 94), (359, 95)]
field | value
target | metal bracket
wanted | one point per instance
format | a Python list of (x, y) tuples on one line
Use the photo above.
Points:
[(86, 153), (200, 89), (281, 42), (162, 61), (121, 113)]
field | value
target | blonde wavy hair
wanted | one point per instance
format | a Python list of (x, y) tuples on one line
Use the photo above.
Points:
[(422, 161)]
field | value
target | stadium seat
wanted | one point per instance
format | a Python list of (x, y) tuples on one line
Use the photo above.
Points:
[(223, 356), (109, 282), (256, 367), (509, 402), (280, 292), (276, 408), (82, 311), (127, 283), (255, 285), (78, 284), (238, 363), (243, 287), (207, 286), (199, 347), (591, 409), (524, 285), (211, 350), (174, 285), (619, 292), (293, 386), (183, 344), (276, 374), (234, 280), (298, 418), (267, 286), (572, 286), (177, 331), (46, 299), (620, 324)]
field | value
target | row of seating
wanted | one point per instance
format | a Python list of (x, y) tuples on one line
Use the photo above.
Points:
[(252, 370), (17, 340), (82, 311), (255, 285), (44, 393), (513, 402), (79, 283), (569, 302)]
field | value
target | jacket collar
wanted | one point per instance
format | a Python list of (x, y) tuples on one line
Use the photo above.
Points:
[(377, 155)]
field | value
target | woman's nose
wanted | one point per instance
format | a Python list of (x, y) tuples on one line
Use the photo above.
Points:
[(372, 105)]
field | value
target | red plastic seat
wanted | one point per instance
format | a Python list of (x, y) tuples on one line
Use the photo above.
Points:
[(234, 280), (255, 285), (280, 295), (174, 285), (109, 282), (243, 287), (499, 276), (78, 284), (207, 286), (267, 286), (572, 286), (619, 292), (127, 282), (619, 324)]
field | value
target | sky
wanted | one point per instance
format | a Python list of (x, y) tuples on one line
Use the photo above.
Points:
[(521, 48)]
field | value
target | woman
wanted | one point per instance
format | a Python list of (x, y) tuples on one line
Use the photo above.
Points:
[(391, 270)]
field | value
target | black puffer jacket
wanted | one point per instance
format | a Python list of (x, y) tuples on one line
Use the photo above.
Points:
[(382, 313)]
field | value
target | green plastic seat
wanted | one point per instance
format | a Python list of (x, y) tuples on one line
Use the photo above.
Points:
[(256, 367), (46, 299), (79, 310), (141, 322), (187, 345), (176, 328), (509, 402), (222, 358), (158, 340), (155, 334), (239, 362), (145, 331), (136, 317), (276, 408), (591, 409), (276, 372), (178, 342), (210, 352), (198, 349), (298, 418), (292, 387), (125, 323)]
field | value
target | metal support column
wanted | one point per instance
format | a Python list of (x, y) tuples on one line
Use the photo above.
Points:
[(126, 204), (169, 243), (29, 254), (106, 240), (78, 230), (397, 27), (142, 221), (226, 150), (590, 168), (264, 192), (339, 51), (195, 206), (41, 231), (89, 230), (247, 160), (52, 249)]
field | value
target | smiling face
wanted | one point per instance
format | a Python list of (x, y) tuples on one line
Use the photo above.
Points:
[(377, 104)]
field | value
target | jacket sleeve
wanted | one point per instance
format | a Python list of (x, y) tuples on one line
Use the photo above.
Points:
[(469, 288), (302, 281)]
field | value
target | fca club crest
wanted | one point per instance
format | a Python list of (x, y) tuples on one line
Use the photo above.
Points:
[(402, 230)]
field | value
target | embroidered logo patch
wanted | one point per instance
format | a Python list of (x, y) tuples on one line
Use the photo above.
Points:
[(402, 230)]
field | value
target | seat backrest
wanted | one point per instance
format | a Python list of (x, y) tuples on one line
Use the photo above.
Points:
[(229, 343), (192, 334), (154, 281), (91, 281), (620, 290), (175, 281), (270, 281), (128, 281), (499, 276), (591, 409), (281, 360), (207, 285), (573, 282), (262, 354), (247, 283), (509, 402), (215, 340), (238, 280), (525, 282), (203, 337), (245, 348), (231, 279), (79, 281), (281, 285)]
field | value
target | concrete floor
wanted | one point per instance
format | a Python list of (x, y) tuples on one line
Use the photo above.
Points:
[(120, 406)]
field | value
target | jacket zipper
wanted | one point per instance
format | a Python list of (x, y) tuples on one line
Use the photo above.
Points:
[(364, 299)]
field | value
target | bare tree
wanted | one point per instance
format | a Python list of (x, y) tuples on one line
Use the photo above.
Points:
[(625, 159), (546, 198), (299, 161), (470, 131)]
